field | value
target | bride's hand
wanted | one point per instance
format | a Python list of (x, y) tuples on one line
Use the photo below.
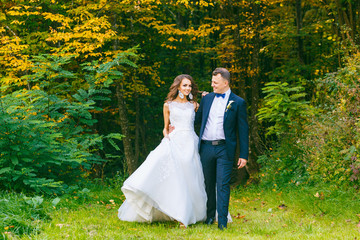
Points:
[(171, 128), (204, 93), (165, 133)]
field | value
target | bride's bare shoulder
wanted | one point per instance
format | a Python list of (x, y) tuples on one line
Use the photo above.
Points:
[(166, 104)]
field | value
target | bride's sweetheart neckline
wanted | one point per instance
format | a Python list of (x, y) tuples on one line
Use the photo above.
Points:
[(182, 105), (180, 102)]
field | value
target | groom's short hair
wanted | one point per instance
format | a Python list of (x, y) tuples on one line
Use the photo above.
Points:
[(223, 72)]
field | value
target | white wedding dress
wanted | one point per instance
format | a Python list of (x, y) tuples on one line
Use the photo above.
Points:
[(169, 185)]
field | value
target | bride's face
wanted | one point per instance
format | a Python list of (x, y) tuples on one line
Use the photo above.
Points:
[(185, 86)]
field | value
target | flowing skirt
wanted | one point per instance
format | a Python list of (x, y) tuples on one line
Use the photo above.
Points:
[(169, 185)]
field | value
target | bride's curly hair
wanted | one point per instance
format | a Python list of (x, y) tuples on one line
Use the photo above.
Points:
[(175, 86)]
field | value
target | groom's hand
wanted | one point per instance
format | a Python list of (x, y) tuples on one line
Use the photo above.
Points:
[(241, 163)]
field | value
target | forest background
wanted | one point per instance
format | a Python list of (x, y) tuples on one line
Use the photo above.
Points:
[(83, 84)]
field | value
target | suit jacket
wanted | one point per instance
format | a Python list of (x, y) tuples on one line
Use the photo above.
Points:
[(235, 123)]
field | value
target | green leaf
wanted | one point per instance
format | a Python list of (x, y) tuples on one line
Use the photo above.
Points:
[(55, 201), (14, 160), (5, 170)]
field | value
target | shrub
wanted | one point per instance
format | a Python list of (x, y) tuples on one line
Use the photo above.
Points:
[(320, 149), (333, 136), (286, 111), (284, 108), (45, 142), (283, 165)]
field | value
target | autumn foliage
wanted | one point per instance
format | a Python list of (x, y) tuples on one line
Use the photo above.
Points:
[(120, 57)]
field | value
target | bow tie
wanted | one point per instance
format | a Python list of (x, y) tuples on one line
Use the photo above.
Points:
[(220, 95)]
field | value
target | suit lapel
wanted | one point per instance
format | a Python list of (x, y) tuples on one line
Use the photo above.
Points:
[(227, 112)]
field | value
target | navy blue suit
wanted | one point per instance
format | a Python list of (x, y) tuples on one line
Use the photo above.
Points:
[(217, 161)]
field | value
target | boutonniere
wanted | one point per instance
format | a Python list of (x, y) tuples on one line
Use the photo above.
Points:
[(229, 105)]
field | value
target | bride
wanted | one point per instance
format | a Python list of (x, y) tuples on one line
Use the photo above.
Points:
[(169, 185)]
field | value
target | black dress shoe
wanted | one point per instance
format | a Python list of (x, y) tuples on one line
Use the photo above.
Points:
[(209, 221), (222, 227)]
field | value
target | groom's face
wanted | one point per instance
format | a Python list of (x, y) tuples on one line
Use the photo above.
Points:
[(219, 84)]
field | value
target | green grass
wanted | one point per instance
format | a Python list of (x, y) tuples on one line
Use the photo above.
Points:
[(20, 214), (293, 213)]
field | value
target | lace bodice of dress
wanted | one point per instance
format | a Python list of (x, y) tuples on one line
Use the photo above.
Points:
[(182, 115)]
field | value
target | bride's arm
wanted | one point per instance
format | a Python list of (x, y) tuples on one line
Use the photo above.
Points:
[(196, 106), (166, 119)]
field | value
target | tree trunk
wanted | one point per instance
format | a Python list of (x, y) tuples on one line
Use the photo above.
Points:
[(129, 154), (255, 141), (351, 21), (357, 21), (340, 18), (131, 160), (237, 40), (142, 128), (137, 126), (300, 40)]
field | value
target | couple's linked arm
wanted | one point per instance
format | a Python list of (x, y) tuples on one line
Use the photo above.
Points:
[(198, 114)]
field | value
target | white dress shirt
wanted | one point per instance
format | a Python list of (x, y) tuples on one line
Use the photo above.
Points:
[(214, 128)]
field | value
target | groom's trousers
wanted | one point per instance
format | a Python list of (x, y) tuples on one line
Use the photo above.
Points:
[(217, 172)]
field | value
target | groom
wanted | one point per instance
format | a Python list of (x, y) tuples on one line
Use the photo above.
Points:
[(223, 119)]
